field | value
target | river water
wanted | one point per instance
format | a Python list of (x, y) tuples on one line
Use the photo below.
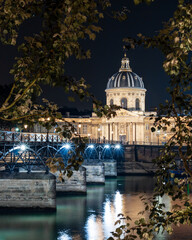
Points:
[(88, 217)]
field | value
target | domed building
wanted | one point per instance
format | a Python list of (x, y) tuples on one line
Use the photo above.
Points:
[(132, 124), (126, 89)]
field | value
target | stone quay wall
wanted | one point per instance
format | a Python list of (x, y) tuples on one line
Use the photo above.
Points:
[(110, 168), (138, 159), (95, 173), (27, 190), (75, 184)]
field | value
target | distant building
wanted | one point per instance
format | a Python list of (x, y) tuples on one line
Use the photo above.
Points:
[(132, 123)]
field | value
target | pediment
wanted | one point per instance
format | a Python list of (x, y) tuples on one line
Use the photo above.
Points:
[(124, 112)]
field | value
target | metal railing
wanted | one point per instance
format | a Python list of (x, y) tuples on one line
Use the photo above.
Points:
[(8, 136), (102, 141)]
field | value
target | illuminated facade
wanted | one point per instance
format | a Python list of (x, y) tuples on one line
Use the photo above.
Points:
[(132, 123)]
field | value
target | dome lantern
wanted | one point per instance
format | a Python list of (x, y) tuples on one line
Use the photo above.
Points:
[(125, 64), (125, 78)]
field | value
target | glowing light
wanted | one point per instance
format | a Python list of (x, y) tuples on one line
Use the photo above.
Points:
[(91, 146), (107, 146), (17, 129), (99, 129), (25, 126), (23, 147), (79, 125), (117, 146), (93, 228), (64, 236), (48, 119), (89, 134), (108, 219), (67, 146), (118, 202)]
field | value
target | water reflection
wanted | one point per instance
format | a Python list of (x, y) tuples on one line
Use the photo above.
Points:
[(30, 227), (88, 217)]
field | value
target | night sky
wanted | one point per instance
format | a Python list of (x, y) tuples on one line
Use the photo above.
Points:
[(107, 51)]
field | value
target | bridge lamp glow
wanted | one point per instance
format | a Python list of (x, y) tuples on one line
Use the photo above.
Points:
[(17, 129), (107, 146), (117, 146), (67, 146), (91, 146), (23, 147)]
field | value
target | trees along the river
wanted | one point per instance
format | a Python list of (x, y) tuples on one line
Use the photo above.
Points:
[(63, 24)]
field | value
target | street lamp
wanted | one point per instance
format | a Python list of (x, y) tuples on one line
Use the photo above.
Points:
[(89, 136), (99, 129), (79, 126)]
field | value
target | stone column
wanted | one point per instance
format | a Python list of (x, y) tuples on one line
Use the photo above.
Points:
[(127, 132), (131, 133)]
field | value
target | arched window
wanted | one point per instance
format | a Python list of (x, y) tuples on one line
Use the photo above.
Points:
[(124, 103), (137, 104), (111, 102)]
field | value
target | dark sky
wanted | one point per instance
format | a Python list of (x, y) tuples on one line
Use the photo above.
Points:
[(107, 51)]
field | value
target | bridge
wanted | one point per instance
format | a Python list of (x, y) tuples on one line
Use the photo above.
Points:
[(29, 151), (24, 153)]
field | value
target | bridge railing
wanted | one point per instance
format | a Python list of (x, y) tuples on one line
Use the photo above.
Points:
[(8, 136), (104, 141)]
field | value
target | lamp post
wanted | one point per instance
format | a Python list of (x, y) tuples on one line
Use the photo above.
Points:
[(99, 129), (47, 138), (79, 126), (89, 136), (19, 131)]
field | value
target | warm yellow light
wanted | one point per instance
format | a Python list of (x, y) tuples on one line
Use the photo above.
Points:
[(25, 126), (79, 125), (48, 119)]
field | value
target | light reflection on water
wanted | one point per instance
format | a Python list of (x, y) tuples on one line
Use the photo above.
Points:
[(88, 217)]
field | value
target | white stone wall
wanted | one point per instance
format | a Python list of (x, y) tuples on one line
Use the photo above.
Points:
[(131, 94)]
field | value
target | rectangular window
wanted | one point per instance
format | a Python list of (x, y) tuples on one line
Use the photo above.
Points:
[(84, 128)]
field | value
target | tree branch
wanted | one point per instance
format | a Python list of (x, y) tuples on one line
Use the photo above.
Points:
[(20, 97)]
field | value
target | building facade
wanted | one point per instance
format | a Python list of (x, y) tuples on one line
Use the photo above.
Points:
[(132, 124)]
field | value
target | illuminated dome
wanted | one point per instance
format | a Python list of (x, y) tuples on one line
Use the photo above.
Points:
[(125, 78)]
